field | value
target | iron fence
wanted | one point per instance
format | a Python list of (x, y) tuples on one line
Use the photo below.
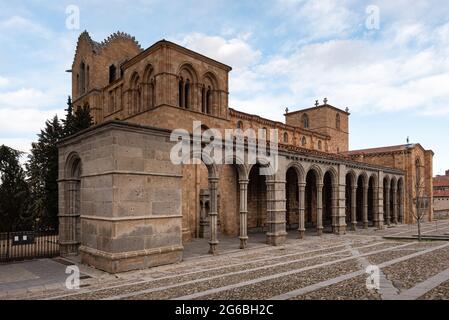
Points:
[(27, 245)]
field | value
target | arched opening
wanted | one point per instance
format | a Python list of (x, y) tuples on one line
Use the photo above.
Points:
[(337, 122), (149, 88), (360, 199), (240, 125), (303, 141), (187, 94), (112, 73), (305, 121), (311, 199), (292, 198), (285, 137), (371, 199), (320, 145), (257, 201), (82, 78), (136, 97), (208, 100), (181, 93), (70, 221), (386, 200), (400, 197), (328, 222), (393, 201), (350, 187)]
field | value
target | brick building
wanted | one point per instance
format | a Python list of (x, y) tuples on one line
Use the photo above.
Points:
[(441, 195), (124, 204)]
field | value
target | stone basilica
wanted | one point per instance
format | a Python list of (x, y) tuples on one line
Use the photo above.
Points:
[(124, 205)]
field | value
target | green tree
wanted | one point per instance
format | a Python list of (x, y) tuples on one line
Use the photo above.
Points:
[(42, 170), (76, 121), (14, 191)]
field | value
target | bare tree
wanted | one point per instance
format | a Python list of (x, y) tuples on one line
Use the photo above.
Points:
[(421, 203)]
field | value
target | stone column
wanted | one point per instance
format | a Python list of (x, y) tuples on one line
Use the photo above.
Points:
[(243, 213), (378, 214), (354, 208), (301, 203), (387, 205), (319, 209), (395, 205), (365, 207), (401, 206), (276, 220), (213, 186), (334, 206)]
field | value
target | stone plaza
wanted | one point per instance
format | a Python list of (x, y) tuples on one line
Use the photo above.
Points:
[(326, 267)]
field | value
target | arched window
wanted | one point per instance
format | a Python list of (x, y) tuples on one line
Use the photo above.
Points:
[(240, 125), (305, 121), (285, 137), (152, 94), (181, 93), (112, 73), (136, 95), (82, 78), (187, 94), (320, 145), (303, 141), (208, 100), (337, 122), (87, 78)]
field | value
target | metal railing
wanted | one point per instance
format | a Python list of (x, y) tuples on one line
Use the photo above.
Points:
[(27, 245)]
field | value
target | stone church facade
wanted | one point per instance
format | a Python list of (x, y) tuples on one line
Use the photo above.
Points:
[(124, 205)]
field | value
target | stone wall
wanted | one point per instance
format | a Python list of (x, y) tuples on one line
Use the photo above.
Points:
[(130, 203)]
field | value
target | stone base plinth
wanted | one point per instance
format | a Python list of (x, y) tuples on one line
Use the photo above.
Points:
[(276, 239), (135, 260)]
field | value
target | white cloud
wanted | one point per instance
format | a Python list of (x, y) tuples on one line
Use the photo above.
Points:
[(4, 81), (18, 24), (235, 52), (26, 97), (25, 120)]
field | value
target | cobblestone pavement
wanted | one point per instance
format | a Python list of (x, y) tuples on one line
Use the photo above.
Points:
[(326, 267)]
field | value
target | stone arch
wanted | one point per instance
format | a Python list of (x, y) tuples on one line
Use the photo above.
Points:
[(313, 191), (400, 197), (329, 198), (350, 204), (386, 199), (393, 200), (361, 198), (135, 97), (149, 87), (305, 121), (70, 220), (373, 200), (187, 79), (299, 169)]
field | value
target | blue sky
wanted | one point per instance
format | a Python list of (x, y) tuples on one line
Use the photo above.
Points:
[(284, 53)]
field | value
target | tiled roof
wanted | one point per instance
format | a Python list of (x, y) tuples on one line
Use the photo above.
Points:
[(401, 147)]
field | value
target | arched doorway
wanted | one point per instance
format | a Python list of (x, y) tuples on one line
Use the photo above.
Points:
[(350, 203), (371, 200), (257, 201), (313, 208), (386, 200), (400, 196), (70, 221), (328, 222), (359, 199), (292, 198)]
